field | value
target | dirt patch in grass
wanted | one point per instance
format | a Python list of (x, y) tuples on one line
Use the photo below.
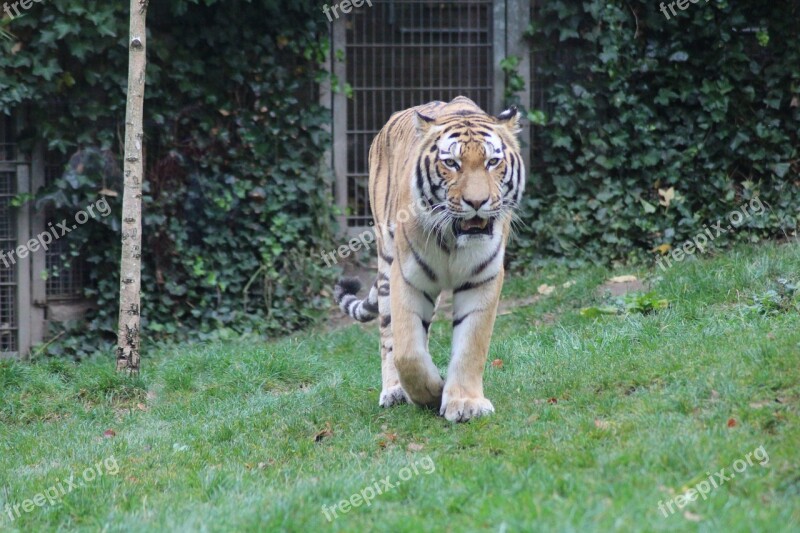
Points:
[(620, 288)]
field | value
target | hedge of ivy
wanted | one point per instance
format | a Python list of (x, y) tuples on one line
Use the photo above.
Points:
[(236, 195), (654, 128), (651, 129)]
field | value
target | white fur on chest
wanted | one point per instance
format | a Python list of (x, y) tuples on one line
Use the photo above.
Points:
[(475, 260)]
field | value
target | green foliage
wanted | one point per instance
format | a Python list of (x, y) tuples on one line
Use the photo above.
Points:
[(782, 298), (637, 302), (236, 199), (514, 82), (707, 103)]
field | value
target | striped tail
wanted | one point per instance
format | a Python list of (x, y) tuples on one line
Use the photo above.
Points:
[(345, 295)]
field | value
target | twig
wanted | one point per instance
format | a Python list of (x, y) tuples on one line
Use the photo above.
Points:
[(41, 349), (635, 35)]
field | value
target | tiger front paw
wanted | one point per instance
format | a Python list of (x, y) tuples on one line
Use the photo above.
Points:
[(463, 409), (427, 393)]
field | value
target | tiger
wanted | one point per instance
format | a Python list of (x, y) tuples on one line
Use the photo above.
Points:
[(445, 182)]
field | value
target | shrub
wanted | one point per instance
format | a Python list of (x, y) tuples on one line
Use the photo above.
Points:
[(236, 196), (653, 128)]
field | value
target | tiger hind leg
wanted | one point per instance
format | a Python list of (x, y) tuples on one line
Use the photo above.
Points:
[(392, 392)]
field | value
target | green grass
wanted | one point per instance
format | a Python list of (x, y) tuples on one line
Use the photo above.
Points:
[(598, 420)]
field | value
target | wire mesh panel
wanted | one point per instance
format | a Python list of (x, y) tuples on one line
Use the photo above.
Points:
[(8, 271), (405, 53), (8, 148), (65, 273)]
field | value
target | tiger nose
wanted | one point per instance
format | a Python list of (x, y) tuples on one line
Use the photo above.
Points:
[(476, 204)]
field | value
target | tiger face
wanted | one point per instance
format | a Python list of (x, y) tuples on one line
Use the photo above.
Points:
[(473, 175), (471, 166)]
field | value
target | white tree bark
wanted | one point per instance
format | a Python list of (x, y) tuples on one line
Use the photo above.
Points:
[(128, 332)]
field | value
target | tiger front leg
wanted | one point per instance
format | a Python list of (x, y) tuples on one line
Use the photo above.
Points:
[(412, 311), (474, 312)]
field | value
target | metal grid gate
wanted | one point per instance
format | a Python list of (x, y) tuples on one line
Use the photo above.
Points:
[(401, 54), (8, 239), (26, 293), (8, 277), (65, 273)]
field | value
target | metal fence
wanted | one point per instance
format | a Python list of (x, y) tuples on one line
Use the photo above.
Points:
[(398, 54), (30, 285), (65, 272), (9, 238), (8, 272)]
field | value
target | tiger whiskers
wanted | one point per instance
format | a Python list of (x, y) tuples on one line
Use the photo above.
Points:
[(439, 219)]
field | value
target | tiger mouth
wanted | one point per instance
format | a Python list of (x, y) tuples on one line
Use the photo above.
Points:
[(473, 226)]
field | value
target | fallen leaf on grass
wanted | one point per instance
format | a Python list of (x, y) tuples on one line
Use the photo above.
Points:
[(261, 465), (497, 363), (386, 439), (601, 424), (109, 433), (326, 432), (731, 422), (545, 289), (539, 401)]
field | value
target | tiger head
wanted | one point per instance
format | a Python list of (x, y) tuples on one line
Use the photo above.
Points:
[(470, 172)]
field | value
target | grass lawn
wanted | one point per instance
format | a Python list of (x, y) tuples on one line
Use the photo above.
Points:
[(597, 421)]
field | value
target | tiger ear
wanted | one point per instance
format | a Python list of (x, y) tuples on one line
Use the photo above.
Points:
[(422, 123), (510, 119)]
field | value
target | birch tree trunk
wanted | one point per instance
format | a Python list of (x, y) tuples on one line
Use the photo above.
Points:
[(131, 263)]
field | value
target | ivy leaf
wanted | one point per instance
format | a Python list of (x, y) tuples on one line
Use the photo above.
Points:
[(666, 196), (537, 118), (663, 248), (780, 169), (578, 90), (679, 57), (47, 71)]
